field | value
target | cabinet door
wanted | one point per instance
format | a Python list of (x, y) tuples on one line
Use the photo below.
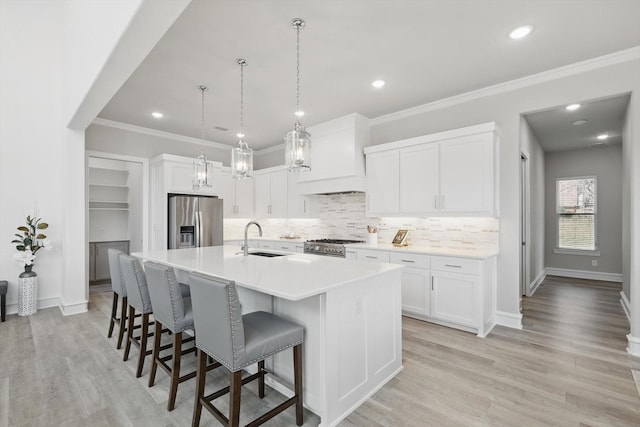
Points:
[(228, 194), (466, 175), (279, 196), (415, 291), (383, 180), (262, 188), (297, 206), (244, 198), (419, 179), (453, 298)]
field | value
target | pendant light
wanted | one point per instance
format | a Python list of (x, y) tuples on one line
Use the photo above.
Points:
[(297, 152), (242, 157), (202, 169)]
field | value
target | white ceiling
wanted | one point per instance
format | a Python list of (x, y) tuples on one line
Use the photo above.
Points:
[(425, 50)]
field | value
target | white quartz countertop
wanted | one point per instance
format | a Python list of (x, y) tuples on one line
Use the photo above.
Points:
[(460, 253), (292, 277)]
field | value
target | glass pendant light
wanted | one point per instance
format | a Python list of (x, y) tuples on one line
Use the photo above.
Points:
[(297, 152), (242, 157), (202, 169)]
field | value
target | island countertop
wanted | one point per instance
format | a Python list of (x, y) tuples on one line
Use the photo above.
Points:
[(292, 276)]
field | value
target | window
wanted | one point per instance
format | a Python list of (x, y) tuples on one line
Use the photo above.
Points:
[(576, 214)]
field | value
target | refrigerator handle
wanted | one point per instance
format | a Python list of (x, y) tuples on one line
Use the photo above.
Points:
[(196, 218)]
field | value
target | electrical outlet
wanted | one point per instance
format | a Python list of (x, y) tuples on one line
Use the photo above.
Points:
[(594, 263)]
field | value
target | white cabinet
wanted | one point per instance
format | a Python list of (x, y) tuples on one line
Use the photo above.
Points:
[(271, 196), (449, 173), (415, 283), (383, 181), (172, 174), (298, 205), (372, 255), (237, 195), (281, 246)]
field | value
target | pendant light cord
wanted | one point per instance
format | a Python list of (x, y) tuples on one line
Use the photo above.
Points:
[(297, 68), (203, 89), (242, 64)]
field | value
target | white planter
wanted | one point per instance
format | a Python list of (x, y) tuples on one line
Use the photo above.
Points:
[(27, 293)]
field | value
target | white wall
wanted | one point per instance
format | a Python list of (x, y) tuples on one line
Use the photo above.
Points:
[(120, 141), (626, 194), (606, 164), (531, 146)]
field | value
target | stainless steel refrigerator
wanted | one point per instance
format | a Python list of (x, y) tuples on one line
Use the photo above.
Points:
[(194, 221)]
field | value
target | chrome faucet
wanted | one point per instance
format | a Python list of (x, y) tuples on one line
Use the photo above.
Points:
[(246, 229)]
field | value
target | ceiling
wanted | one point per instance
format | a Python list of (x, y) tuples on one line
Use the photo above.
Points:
[(425, 50), (555, 131)]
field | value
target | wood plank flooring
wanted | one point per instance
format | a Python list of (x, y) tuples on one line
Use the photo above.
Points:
[(567, 367)]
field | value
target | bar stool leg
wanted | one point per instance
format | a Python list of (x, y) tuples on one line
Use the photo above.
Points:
[(123, 321), (201, 376), (175, 370), (297, 380), (114, 311), (143, 344), (261, 379), (234, 398), (156, 352), (127, 347)]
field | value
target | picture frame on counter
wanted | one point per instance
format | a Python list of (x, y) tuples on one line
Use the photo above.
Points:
[(400, 238)]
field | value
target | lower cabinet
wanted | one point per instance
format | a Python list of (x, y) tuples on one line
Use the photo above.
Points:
[(99, 258), (455, 292)]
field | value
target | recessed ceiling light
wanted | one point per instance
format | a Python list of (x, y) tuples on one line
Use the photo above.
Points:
[(572, 107), (603, 136), (299, 113), (240, 135), (157, 114), (378, 83), (520, 32), (579, 122)]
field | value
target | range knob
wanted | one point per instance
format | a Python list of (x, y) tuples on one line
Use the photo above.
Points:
[(317, 248)]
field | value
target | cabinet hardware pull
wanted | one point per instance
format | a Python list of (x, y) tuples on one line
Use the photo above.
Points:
[(304, 206), (435, 202), (372, 257), (432, 283), (284, 247), (407, 260), (453, 266)]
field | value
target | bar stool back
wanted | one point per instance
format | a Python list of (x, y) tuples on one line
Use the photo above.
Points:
[(237, 341), (135, 282), (119, 292)]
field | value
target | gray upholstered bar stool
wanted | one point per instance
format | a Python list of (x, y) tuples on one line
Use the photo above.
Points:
[(119, 292), (173, 311), (138, 298), (238, 341)]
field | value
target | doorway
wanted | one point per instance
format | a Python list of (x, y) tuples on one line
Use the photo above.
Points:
[(117, 211), (525, 225)]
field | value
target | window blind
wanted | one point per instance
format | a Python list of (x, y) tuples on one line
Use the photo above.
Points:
[(576, 213)]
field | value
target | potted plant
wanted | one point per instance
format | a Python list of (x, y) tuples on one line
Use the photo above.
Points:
[(28, 242)]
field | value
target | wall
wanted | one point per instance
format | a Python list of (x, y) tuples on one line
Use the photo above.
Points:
[(536, 201), (626, 195), (119, 141), (342, 216), (606, 163)]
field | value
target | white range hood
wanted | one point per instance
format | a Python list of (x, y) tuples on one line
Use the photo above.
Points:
[(337, 156)]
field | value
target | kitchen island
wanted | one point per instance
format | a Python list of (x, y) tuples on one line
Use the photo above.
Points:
[(351, 312)]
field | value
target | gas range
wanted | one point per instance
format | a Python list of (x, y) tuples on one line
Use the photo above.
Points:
[(329, 247)]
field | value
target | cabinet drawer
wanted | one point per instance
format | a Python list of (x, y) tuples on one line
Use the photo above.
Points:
[(369, 255), (456, 265), (410, 260), (284, 246)]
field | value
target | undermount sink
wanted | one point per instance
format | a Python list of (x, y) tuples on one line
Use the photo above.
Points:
[(266, 254)]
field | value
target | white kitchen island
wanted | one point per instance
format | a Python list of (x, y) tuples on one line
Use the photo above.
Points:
[(351, 312)]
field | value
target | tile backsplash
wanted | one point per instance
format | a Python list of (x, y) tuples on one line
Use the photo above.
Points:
[(342, 216)]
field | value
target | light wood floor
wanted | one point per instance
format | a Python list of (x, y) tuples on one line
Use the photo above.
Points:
[(568, 367)]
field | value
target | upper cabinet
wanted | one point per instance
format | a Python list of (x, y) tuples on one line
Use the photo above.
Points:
[(271, 197), (337, 158), (448, 173), (237, 195)]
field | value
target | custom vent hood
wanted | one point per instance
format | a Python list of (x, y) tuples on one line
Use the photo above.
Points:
[(337, 156)]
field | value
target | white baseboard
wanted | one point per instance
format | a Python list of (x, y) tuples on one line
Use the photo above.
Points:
[(43, 303), (626, 305), (533, 287), (76, 308), (582, 274), (509, 320), (633, 348)]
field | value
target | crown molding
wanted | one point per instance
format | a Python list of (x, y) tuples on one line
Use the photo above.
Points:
[(158, 133), (626, 55)]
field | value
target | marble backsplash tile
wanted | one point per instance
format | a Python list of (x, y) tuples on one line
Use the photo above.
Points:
[(342, 216)]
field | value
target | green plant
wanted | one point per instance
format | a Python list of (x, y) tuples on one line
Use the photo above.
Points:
[(30, 240)]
